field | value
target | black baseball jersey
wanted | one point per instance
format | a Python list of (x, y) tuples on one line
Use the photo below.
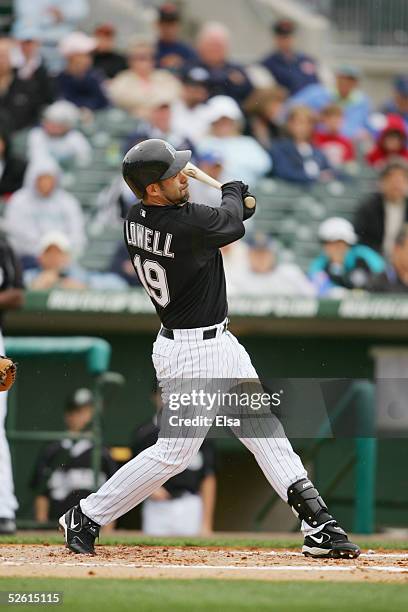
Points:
[(64, 473), (10, 271), (175, 252)]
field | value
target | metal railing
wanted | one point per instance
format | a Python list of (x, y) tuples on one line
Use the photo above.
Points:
[(381, 23)]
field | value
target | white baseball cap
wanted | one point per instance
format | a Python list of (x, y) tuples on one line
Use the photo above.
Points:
[(76, 42), (54, 238), (62, 112), (337, 228), (223, 106)]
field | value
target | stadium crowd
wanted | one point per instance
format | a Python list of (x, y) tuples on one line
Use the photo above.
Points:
[(281, 118)]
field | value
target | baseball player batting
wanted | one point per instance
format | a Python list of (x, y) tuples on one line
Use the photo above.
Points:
[(175, 246)]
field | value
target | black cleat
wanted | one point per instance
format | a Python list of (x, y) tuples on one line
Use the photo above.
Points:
[(80, 531), (7, 526), (331, 542)]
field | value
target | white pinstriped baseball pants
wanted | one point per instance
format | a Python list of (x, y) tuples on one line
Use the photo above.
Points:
[(188, 356)]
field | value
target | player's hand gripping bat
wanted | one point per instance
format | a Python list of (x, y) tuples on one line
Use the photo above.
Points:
[(194, 172)]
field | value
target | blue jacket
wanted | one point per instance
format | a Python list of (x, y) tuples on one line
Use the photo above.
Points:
[(84, 91), (294, 73), (289, 165)]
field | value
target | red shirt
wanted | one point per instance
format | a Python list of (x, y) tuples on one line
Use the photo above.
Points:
[(337, 148)]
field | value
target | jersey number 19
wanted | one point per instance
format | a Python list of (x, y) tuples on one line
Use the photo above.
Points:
[(153, 278)]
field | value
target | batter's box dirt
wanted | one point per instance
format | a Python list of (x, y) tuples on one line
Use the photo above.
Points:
[(194, 562)]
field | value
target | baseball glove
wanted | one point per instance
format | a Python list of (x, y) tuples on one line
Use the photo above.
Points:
[(8, 370)]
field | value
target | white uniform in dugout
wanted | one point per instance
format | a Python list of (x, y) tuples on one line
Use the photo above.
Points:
[(175, 248)]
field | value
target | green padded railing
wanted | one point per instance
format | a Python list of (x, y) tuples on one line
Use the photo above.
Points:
[(96, 353)]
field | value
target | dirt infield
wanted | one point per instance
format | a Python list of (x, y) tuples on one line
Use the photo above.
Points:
[(195, 562)]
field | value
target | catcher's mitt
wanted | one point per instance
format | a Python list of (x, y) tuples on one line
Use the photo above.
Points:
[(8, 370)]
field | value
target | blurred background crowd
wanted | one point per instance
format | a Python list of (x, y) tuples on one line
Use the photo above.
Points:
[(328, 163)]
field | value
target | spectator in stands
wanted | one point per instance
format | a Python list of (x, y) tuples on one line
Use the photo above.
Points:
[(189, 112), (158, 125), (226, 77), (171, 52), (398, 104), (63, 471), (211, 163), (295, 158), (381, 215), (54, 269), (184, 505), (243, 156), (391, 142), (264, 111), (41, 206), (20, 103), (137, 88), (53, 19), (343, 264), (328, 138), (30, 65), (355, 103), (105, 59), (262, 273), (12, 168), (395, 277), (57, 136), (79, 83), (289, 68), (121, 265)]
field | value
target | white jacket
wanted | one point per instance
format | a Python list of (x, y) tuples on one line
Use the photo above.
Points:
[(29, 216)]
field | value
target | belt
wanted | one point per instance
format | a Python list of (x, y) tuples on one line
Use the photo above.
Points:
[(208, 334)]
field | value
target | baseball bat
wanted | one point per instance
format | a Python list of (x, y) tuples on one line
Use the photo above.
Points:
[(198, 174)]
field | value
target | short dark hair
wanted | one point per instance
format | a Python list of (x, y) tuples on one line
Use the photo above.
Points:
[(393, 164)]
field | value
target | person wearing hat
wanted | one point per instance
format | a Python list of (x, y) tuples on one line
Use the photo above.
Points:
[(391, 142), (171, 52), (30, 64), (242, 155), (189, 112), (55, 269), (20, 101), (134, 89), (343, 264), (290, 68), (398, 104), (226, 77), (42, 206), (381, 215), (57, 136), (105, 59), (347, 93), (52, 19), (63, 470), (79, 83)]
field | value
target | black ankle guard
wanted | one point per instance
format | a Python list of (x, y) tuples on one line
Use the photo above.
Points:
[(307, 504)]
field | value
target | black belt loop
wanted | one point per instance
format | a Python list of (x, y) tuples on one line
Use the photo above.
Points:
[(208, 334)]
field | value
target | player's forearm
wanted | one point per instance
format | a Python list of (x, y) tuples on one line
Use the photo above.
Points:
[(11, 298), (208, 495)]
